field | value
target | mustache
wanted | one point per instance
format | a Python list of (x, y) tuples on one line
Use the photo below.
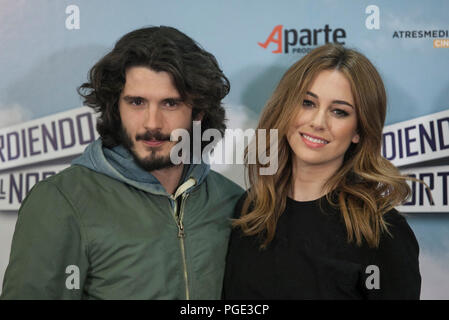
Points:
[(153, 135)]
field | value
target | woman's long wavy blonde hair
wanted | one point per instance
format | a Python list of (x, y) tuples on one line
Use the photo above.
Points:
[(367, 185)]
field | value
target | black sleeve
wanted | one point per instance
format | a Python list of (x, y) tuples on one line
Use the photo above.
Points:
[(239, 206), (229, 269), (395, 263)]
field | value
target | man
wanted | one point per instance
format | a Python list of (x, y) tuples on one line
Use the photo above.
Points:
[(124, 222)]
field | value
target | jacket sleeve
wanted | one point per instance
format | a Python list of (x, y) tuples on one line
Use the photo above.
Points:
[(48, 257), (397, 262)]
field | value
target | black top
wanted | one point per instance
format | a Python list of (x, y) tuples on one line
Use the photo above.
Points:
[(310, 258)]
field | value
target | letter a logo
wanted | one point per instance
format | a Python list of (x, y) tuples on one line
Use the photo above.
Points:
[(275, 37), (373, 20), (72, 22), (373, 280), (73, 280)]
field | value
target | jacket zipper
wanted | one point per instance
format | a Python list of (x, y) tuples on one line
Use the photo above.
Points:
[(178, 216), (181, 239)]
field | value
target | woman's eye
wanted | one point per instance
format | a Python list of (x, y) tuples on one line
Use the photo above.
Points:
[(340, 113), (307, 103)]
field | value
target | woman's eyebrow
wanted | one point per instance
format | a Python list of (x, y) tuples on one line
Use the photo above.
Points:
[(333, 101)]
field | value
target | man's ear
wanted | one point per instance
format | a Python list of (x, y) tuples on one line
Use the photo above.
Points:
[(199, 116)]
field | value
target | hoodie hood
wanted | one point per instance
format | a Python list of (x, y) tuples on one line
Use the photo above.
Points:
[(118, 163)]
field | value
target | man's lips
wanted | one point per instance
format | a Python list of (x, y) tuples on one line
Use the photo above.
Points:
[(153, 143), (152, 138)]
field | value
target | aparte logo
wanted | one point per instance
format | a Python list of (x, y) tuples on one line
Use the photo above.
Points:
[(302, 41)]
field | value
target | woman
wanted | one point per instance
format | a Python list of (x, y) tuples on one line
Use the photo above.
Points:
[(324, 225)]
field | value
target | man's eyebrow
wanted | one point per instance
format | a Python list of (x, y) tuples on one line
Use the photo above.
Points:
[(132, 98), (333, 101), (175, 99)]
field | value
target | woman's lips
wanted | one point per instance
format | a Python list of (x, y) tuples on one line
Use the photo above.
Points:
[(313, 142)]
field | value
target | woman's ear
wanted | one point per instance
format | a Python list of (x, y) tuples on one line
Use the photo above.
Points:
[(356, 138)]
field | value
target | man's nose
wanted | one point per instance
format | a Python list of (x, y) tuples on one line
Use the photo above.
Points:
[(153, 120)]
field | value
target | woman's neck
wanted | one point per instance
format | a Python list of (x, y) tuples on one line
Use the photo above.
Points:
[(309, 181)]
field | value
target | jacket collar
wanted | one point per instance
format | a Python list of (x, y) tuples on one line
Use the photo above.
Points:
[(119, 164)]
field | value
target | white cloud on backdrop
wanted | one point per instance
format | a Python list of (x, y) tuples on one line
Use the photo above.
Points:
[(434, 272), (13, 114)]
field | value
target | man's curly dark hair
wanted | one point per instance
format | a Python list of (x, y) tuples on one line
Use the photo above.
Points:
[(195, 72)]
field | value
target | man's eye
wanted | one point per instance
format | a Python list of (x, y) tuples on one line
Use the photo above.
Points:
[(171, 103), (307, 103), (137, 102)]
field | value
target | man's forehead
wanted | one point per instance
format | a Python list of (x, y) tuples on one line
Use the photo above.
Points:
[(142, 81)]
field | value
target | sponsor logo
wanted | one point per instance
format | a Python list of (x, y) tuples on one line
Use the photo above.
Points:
[(420, 34), (301, 41), (440, 37), (441, 43)]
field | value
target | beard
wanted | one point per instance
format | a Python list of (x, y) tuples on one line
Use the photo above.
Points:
[(153, 161)]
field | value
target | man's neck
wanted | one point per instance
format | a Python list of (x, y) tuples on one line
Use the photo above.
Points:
[(169, 177)]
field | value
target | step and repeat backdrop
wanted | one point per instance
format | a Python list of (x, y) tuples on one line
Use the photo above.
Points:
[(47, 47)]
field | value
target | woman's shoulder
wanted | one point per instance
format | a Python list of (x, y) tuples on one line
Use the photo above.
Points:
[(394, 217), (396, 220), (399, 231)]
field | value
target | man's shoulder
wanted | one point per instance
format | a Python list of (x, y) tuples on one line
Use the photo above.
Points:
[(77, 180), (64, 189), (75, 174)]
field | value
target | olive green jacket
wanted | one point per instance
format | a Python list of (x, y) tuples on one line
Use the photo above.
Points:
[(82, 234)]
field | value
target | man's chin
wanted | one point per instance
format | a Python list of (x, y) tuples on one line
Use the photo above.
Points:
[(150, 158), (154, 165), (153, 162)]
